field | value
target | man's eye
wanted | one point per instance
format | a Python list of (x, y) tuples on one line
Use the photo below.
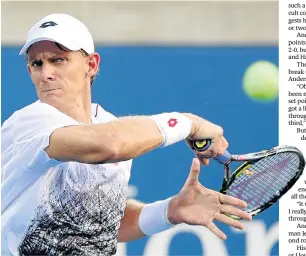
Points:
[(58, 59), (37, 63)]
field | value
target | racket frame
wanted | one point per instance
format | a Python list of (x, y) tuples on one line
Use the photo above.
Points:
[(252, 158)]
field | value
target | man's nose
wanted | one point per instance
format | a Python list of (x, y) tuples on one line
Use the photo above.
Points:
[(47, 73)]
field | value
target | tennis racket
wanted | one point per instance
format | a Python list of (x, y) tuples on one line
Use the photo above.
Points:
[(263, 178)]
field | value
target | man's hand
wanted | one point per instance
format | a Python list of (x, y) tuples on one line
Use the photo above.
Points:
[(197, 205), (203, 129)]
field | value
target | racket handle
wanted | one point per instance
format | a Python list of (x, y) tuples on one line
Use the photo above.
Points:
[(202, 145)]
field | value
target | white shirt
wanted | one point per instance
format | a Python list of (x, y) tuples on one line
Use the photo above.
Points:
[(51, 207)]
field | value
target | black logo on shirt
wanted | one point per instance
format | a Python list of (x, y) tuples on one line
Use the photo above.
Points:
[(48, 24)]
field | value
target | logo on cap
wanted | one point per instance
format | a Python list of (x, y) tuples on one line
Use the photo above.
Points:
[(48, 24)]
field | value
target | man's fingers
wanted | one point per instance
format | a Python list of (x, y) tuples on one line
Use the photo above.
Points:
[(225, 199), (204, 161), (223, 147), (228, 209), (217, 148), (193, 177), (229, 221), (213, 228), (225, 143)]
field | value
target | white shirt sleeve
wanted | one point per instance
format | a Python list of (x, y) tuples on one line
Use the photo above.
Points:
[(33, 127), (25, 136)]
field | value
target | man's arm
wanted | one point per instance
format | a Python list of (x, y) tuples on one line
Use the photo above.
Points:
[(129, 137), (121, 139), (118, 140), (129, 228)]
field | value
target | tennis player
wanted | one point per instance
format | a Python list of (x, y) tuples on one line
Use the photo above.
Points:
[(66, 161)]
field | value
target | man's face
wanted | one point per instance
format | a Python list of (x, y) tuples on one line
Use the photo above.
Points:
[(58, 75)]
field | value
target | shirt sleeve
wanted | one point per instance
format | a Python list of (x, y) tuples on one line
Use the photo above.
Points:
[(32, 129)]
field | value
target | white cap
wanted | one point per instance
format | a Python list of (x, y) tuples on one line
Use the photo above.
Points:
[(63, 29)]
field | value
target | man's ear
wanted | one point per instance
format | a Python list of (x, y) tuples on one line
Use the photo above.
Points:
[(93, 63)]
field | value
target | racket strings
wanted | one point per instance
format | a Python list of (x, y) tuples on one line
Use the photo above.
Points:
[(264, 179)]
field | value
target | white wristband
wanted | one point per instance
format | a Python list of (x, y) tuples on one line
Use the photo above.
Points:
[(153, 217), (173, 126)]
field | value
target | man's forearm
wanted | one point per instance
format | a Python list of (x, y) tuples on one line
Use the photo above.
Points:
[(140, 135), (130, 137), (118, 140), (129, 228)]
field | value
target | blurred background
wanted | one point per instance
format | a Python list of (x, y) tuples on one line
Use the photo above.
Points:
[(170, 56)]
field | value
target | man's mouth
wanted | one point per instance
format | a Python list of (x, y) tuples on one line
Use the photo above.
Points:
[(50, 90)]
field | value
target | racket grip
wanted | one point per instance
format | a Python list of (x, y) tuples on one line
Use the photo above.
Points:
[(202, 145)]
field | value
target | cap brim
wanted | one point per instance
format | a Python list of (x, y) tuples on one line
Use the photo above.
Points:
[(69, 45)]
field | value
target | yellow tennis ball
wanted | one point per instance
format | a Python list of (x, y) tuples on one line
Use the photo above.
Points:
[(260, 81)]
